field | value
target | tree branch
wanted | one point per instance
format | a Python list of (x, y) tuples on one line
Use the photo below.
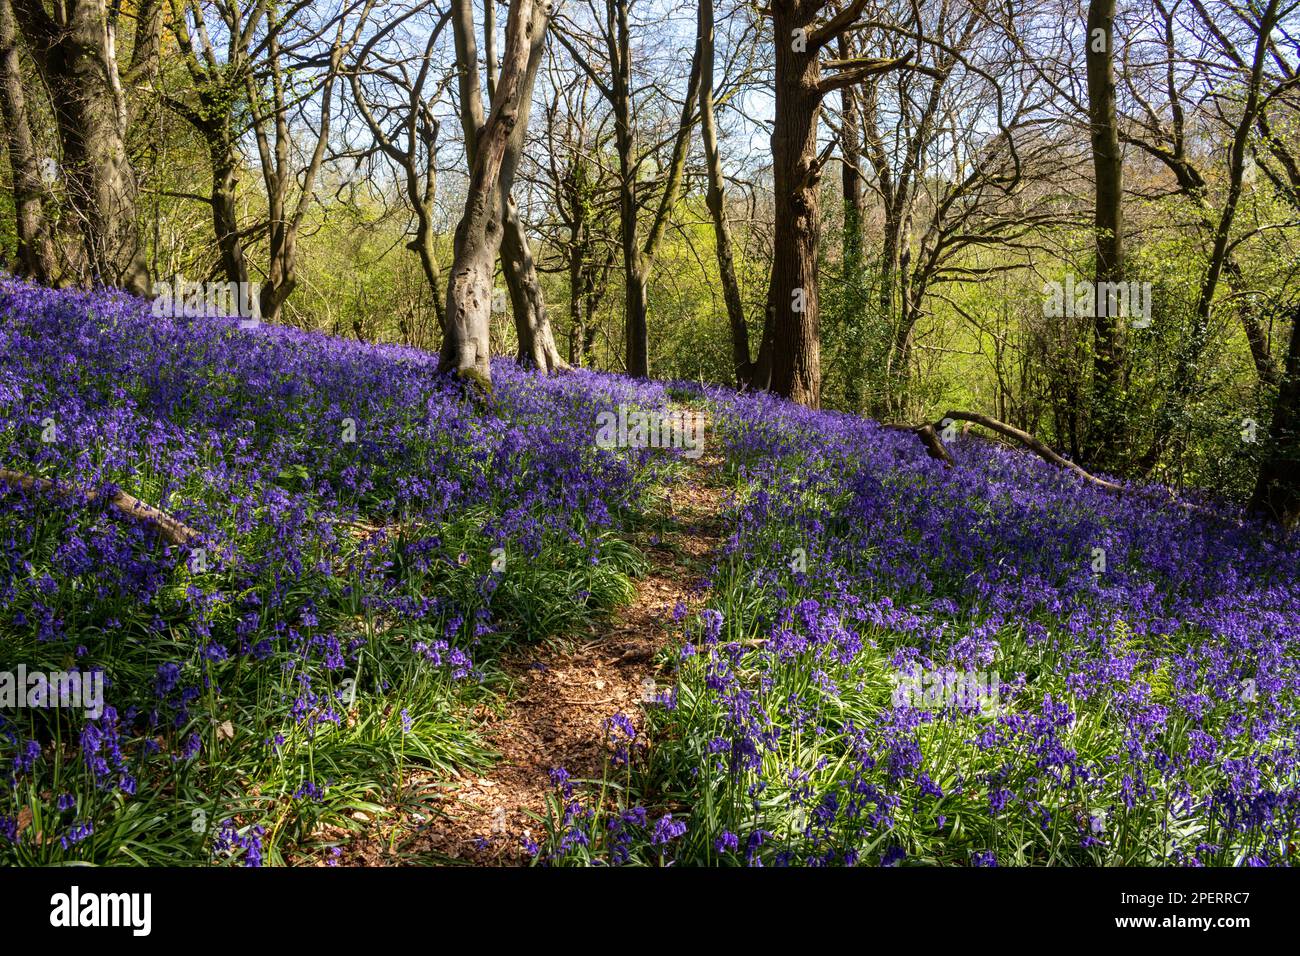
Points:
[(174, 531)]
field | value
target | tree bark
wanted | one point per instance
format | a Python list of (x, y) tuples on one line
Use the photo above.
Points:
[(35, 252), (635, 275), (74, 51), (1108, 226), (1277, 488), (577, 283), (479, 233), (715, 197), (537, 348), (790, 355)]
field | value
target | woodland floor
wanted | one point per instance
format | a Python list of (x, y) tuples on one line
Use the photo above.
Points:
[(558, 699)]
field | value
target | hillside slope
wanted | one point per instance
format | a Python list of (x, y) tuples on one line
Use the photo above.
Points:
[(889, 661)]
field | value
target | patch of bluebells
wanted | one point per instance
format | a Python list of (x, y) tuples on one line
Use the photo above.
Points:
[(245, 846), (238, 434), (1147, 714), (1181, 657), (579, 837), (621, 734)]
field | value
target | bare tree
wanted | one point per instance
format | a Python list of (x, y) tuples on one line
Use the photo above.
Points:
[(615, 34), (216, 91), (952, 154), (571, 179), (1173, 91), (537, 347), (1251, 73), (715, 197), (274, 94), (396, 101), (274, 76)]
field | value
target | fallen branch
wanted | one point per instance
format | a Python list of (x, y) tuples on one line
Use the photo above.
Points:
[(934, 446), (171, 529)]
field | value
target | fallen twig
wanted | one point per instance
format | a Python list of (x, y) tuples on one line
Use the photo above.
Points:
[(174, 531)]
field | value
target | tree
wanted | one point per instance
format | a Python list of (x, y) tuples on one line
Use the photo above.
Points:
[(32, 202), (569, 175), (715, 197), (396, 101), (492, 145), (217, 89), (74, 47), (956, 153), (1108, 226), (615, 32), (789, 361), (274, 94), (276, 77), (537, 347), (1183, 380), (1173, 112)]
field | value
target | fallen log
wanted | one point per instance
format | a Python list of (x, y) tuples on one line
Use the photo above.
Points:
[(1033, 444), (172, 530), (929, 435), (935, 448)]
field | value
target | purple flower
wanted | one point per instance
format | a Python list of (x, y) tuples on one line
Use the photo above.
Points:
[(667, 829)]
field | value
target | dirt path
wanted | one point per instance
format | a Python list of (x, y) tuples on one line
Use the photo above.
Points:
[(555, 714)]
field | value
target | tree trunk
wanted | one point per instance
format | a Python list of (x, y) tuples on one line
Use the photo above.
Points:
[(213, 119), (1277, 489), (478, 235), (715, 197), (1108, 224), (77, 61), (791, 350), (635, 276), (225, 214), (537, 347), (576, 289), (900, 365), (35, 253), (851, 187), (853, 304)]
